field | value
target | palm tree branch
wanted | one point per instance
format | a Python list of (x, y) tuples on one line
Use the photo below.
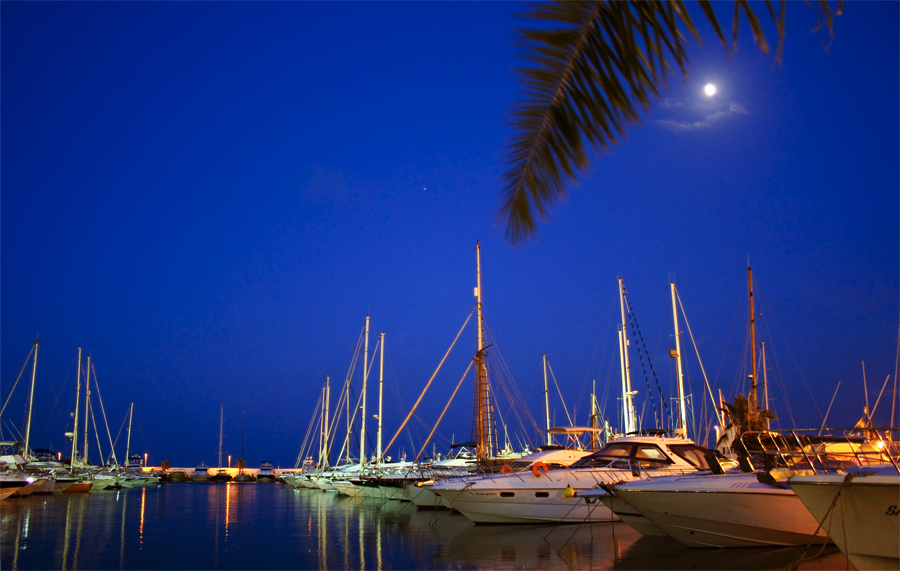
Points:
[(587, 78), (590, 67)]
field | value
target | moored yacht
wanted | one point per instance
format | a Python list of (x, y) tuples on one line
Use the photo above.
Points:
[(266, 472), (200, 473), (746, 508), (541, 495)]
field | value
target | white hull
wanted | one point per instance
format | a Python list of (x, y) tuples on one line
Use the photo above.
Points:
[(865, 520), (423, 497), (540, 495), (526, 505), (731, 510), (393, 493), (631, 516), (346, 488)]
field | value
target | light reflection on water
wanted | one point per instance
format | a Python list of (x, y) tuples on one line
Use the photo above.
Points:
[(271, 526)]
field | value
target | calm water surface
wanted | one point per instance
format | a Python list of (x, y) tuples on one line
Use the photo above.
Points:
[(272, 526)]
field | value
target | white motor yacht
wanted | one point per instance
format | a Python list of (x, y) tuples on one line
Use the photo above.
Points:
[(539, 494), (745, 508)]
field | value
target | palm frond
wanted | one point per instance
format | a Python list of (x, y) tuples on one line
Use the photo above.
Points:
[(591, 68)]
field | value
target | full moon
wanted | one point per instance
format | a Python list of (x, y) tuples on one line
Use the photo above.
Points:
[(709, 89)]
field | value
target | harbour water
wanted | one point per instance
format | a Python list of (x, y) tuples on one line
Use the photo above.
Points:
[(273, 526)]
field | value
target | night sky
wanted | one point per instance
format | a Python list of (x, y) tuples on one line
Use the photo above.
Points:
[(209, 198)]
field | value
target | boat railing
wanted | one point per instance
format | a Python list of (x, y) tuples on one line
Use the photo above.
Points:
[(802, 450)]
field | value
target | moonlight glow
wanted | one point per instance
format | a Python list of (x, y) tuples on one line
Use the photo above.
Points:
[(709, 89)]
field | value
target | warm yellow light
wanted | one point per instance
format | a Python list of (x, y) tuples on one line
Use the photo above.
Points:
[(709, 89)]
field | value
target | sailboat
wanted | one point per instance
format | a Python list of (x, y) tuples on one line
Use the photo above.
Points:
[(243, 477), (544, 495)]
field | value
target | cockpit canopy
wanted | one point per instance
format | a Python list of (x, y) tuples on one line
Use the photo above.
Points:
[(633, 455)]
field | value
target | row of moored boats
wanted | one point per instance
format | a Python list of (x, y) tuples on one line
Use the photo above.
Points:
[(772, 489)]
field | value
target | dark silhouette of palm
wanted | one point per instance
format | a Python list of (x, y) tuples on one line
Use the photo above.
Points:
[(591, 67)]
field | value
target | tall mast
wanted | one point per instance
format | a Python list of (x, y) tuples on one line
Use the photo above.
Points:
[(362, 433), (547, 403), (323, 447), (128, 444), (380, 396), (31, 400), (75, 416), (752, 337), (627, 393), (484, 431), (594, 416), (87, 407), (681, 427), (221, 421), (765, 384)]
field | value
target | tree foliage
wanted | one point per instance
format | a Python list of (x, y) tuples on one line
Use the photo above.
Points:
[(592, 66), (745, 415)]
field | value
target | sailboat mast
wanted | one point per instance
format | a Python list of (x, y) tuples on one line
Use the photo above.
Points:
[(87, 407), (765, 384), (362, 433), (484, 433), (31, 399), (75, 416), (128, 443), (681, 428), (323, 446), (627, 393), (594, 416), (752, 337), (221, 421), (380, 395), (547, 402)]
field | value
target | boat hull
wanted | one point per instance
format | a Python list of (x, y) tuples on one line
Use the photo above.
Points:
[(525, 505), (629, 515), (738, 512), (861, 515)]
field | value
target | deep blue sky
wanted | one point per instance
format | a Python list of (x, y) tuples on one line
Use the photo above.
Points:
[(210, 197)]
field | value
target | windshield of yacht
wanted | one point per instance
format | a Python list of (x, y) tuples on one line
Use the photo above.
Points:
[(692, 454), (626, 454)]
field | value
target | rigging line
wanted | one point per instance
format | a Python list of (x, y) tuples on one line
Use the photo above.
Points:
[(895, 400), (428, 384), (443, 412), (496, 357), (697, 352), (793, 357), (315, 421), (21, 371), (515, 400), (97, 436), (636, 331), (872, 413), (122, 427), (105, 421), (559, 391), (780, 377)]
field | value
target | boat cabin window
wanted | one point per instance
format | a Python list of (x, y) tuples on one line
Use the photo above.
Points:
[(692, 454), (623, 450), (650, 453), (625, 455)]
